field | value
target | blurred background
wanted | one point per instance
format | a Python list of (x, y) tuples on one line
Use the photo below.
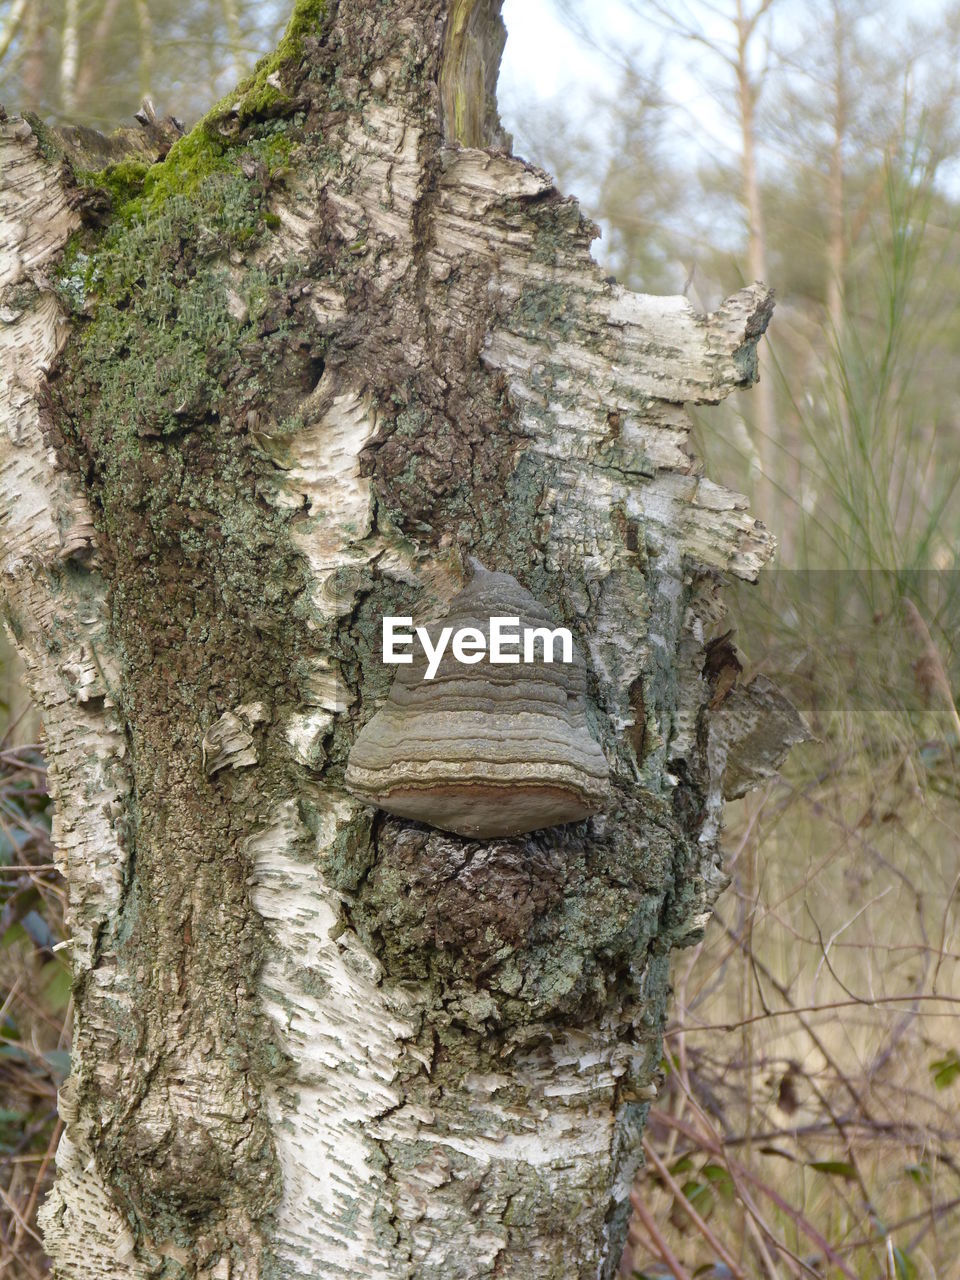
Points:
[(808, 1119)]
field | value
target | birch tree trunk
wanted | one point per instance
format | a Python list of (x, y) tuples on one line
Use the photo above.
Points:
[(256, 395), (749, 86)]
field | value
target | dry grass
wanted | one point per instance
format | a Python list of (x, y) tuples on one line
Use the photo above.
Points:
[(812, 1068)]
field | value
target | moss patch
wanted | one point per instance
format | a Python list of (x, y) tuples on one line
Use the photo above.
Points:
[(137, 189)]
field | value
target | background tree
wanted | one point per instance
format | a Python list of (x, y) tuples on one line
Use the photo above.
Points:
[(91, 63), (733, 39), (854, 154)]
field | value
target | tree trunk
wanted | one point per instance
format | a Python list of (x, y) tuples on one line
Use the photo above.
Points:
[(257, 395), (764, 414), (836, 194)]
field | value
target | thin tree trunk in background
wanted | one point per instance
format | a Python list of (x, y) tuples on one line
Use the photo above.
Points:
[(34, 55), (145, 28), (836, 242), (763, 409), (233, 37), (836, 354), (12, 25), (340, 342), (69, 55), (99, 41)]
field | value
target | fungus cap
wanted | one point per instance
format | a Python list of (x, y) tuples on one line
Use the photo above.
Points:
[(483, 750)]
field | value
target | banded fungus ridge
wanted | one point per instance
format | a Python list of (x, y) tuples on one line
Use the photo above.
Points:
[(484, 750)]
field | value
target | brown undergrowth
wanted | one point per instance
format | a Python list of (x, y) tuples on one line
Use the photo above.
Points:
[(808, 1120), (34, 990)]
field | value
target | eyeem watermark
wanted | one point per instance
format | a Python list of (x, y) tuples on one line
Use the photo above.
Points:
[(506, 643)]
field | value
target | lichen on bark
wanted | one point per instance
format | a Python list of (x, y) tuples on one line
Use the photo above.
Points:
[(298, 365)]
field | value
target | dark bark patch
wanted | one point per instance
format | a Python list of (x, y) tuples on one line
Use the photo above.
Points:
[(546, 926)]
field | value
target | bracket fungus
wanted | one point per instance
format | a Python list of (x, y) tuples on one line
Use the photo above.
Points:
[(484, 750)]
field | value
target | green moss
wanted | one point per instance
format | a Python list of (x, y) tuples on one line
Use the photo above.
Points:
[(276, 151), (123, 180), (48, 143), (259, 94), (138, 189), (190, 162), (307, 18)]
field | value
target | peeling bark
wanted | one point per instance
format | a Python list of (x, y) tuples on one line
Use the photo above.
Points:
[(256, 395)]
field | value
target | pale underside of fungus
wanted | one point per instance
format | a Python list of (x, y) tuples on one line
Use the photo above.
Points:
[(484, 750)]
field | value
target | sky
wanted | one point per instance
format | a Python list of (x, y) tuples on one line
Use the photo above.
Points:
[(542, 55), (546, 61)]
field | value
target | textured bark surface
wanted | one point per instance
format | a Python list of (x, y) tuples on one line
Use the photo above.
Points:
[(255, 395)]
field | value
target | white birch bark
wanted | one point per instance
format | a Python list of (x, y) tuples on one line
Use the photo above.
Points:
[(69, 54), (48, 527), (8, 32), (364, 1048)]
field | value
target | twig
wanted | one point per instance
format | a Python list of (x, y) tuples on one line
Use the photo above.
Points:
[(17, 1216), (739, 1171), (41, 1174), (687, 1206), (666, 1254), (869, 1003)]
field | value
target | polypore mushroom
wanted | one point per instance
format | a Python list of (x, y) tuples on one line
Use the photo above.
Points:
[(483, 750)]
